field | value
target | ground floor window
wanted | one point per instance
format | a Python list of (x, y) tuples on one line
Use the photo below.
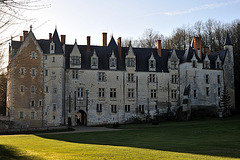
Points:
[(127, 108), (99, 107), (114, 108)]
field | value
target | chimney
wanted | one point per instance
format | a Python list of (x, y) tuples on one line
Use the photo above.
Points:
[(197, 46), (119, 47), (50, 37), (21, 39), (25, 33), (159, 48), (88, 43), (206, 50), (104, 39), (63, 39)]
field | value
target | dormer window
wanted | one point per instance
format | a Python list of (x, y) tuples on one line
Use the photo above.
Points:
[(206, 64), (33, 55), (52, 47), (217, 65), (130, 62), (75, 60), (194, 64), (174, 65), (94, 61)]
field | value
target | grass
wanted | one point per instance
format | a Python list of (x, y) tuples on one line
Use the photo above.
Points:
[(202, 139)]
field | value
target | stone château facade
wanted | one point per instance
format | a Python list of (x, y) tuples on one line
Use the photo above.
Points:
[(51, 83)]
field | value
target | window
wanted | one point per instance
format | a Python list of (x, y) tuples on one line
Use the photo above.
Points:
[(153, 93), (101, 92), (46, 89), (130, 62), (32, 115), (130, 77), (112, 62), (80, 92), (141, 108), (99, 107), (33, 55), (127, 108), (152, 64), (54, 117), (207, 91), (75, 74), (22, 88), (94, 61), (46, 72), (174, 94), (32, 103), (113, 93), (206, 64), (40, 102), (21, 115), (130, 93), (54, 106), (195, 93), (219, 79), (194, 64), (33, 72), (114, 108), (174, 79), (101, 76), (53, 59), (75, 60), (22, 71), (173, 65), (45, 57), (207, 78), (218, 65), (32, 89), (152, 78), (219, 92), (54, 90)]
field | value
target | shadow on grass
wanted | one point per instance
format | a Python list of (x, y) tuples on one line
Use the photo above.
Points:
[(214, 138), (9, 152)]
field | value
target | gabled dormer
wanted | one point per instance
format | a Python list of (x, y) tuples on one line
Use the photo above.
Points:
[(75, 57), (206, 62), (152, 63), (52, 47), (218, 63), (94, 60), (173, 61), (130, 59), (113, 62), (194, 61)]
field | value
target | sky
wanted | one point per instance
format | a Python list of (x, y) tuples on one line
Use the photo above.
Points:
[(78, 19)]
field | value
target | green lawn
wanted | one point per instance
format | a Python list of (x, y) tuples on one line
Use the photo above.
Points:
[(202, 139)]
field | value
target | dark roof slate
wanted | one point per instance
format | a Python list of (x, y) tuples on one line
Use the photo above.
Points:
[(228, 40)]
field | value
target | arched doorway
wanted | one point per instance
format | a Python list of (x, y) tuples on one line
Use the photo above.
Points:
[(81, 118)]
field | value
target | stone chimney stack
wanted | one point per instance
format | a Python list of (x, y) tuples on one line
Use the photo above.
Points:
[(88, 43), (197, 46), (104, 39), (206, 50), (159, 48), (25, 33), (63, 39), (50, 37), (21, 39), (119, 47)]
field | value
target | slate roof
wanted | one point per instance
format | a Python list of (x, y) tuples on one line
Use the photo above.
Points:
[(228, 40), (104, 53)]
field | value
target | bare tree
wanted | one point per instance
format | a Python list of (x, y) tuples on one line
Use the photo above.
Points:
[(149, 38)]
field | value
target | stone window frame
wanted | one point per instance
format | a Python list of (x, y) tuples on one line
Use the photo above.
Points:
[(54, 105), (219, 92), (32, 115), (130, 62), (75, 60), (21, 115), (99, 107), (152, 78), (207, 77), (131, 93), (113, 92), (33, 55), (141, 108), (46, 72), (80, 92), (75, 74), (33, 72), (22, 88), (33, 89), (127, 108), (112, 63), (32, 104), (131, 77), (153, 94), (22, 71), (113, 108), (102, 77), (207, 91), (46, 89), (101, 92), (194, 93), (219, 79), (53, 59), (174, 79), (174, 94)]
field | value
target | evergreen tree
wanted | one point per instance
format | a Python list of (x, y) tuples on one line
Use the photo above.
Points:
[(225, 102)]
